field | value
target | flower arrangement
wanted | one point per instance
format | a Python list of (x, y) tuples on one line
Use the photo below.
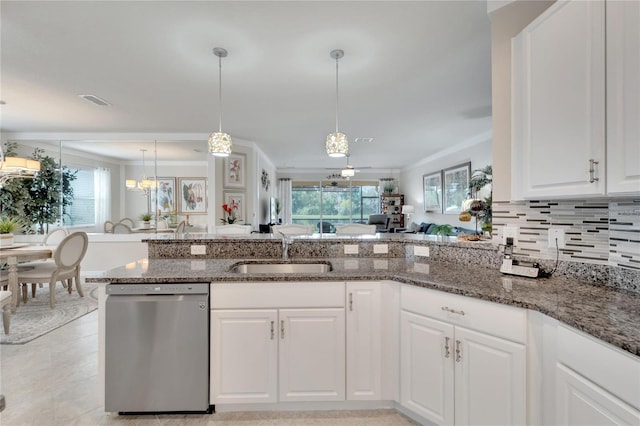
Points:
[(230, 210)]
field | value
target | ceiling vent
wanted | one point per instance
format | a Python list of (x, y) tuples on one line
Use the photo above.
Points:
[(95, 100), (363, 140)]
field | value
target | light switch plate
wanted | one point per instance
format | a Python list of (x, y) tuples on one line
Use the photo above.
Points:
[(350, 249), (421, 251), (198, 249), (380, 248)]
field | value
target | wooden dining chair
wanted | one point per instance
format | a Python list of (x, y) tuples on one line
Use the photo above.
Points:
[(129, 222), (66, 267), (107, 227), (52, 239), (5, 305), (355, 229), (121, 228), (180, 227)]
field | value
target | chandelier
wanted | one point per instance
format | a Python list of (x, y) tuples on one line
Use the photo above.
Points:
[(337, 143), (220, 142), (16, 167), (145, 184)]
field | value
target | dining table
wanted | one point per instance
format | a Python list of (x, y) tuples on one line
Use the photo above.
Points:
[(17, 253)]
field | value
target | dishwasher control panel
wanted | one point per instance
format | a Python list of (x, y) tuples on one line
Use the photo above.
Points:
[(157, 288)]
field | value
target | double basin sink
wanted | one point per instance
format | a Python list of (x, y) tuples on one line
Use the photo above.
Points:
[(281, 268)]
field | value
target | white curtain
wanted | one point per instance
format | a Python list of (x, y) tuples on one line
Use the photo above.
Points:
[(102, 191), (284, 195)]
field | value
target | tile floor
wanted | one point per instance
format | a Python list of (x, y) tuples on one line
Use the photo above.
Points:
[(53, 380)]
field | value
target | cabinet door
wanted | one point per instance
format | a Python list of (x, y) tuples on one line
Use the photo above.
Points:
[(490, 379), (312, 354), (244, 354), (623, 97), (426, 367), (558, 103), (363, 341), (580, 402)]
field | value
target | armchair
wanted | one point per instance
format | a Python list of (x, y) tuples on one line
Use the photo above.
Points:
[(381, 221)]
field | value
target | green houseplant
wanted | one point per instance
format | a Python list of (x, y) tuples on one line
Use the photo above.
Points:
[(146, 219), (8, 224), (443, 230)]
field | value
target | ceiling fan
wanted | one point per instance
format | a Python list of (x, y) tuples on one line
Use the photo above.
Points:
[(348, 171)]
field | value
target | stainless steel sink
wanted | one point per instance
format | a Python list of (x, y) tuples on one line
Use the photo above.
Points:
[(281, 268)]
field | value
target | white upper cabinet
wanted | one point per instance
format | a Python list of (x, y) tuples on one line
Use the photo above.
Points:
[(575, 115), (623, 97)]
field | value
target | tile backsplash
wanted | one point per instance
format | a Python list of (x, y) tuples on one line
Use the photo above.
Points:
[(597, 232)]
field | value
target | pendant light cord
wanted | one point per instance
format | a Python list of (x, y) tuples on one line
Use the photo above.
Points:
[(220, 93), (337, 95)]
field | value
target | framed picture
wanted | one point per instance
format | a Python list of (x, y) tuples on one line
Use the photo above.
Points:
[(193, 195), (163, 201), (432, 191), (456, 187), (234, 171), (238, 198)]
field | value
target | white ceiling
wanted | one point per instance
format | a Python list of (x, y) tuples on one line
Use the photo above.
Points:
[(416, 75)]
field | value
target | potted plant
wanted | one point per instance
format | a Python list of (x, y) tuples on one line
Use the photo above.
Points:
[(146, 220), (8, 225), (443, 231), (389, 186)]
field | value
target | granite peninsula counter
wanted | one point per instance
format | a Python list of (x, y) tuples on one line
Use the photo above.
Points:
[(608, 314)]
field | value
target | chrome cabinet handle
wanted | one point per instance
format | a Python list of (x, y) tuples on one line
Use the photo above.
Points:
[(351, 301), (273, 330), (453, 311), (447, 352), (458, 351), (282, 329), (592, 171)]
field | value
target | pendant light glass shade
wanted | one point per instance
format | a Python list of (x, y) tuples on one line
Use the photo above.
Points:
[(220, 142), (337, 143), (145, 184)]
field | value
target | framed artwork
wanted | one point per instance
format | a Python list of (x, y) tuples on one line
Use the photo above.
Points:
[(456, 187), (234, 171), (193, 195), (432, 191), (238, 198), (163, 201)]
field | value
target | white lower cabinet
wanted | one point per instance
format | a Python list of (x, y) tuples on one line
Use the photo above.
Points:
[(451, 374), (312, 348), (364, 337), (266, 349), (596, 384)]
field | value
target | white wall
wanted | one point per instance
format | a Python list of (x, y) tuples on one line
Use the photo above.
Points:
[(480, 155)]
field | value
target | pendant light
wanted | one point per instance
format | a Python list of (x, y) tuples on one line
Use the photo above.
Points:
[(220, 142), (337, 143), (16, 167), (145, 184)]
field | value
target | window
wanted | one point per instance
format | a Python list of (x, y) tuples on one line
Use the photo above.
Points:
[(327, 204), (82, 211)]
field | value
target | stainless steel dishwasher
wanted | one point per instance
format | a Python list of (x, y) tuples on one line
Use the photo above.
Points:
[(157, 348)]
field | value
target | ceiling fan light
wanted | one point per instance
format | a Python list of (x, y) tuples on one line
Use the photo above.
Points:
[(337, 145), (220, 144), (349, 172)]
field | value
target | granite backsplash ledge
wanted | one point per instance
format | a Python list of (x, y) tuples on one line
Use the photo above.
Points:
[(484, 254)]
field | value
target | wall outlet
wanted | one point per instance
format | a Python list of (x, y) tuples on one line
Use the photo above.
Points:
[(421, 251), (556, 233), (350, 249), (199, 249), (380, 248), (510, 231)]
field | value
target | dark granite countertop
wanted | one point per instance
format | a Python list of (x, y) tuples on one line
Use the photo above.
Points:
[(608, 314)]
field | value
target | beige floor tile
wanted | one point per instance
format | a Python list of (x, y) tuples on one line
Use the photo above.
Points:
[(52, 381)]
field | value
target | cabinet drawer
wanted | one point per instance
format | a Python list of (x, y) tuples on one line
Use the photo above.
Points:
[(608, 367), (277, 295), (492, 318)]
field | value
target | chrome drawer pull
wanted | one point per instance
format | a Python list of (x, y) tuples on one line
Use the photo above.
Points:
[(447, 352), (273, 330), (592, 171), (351, 301), (458, 351), (282, 329), (453, 311)]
